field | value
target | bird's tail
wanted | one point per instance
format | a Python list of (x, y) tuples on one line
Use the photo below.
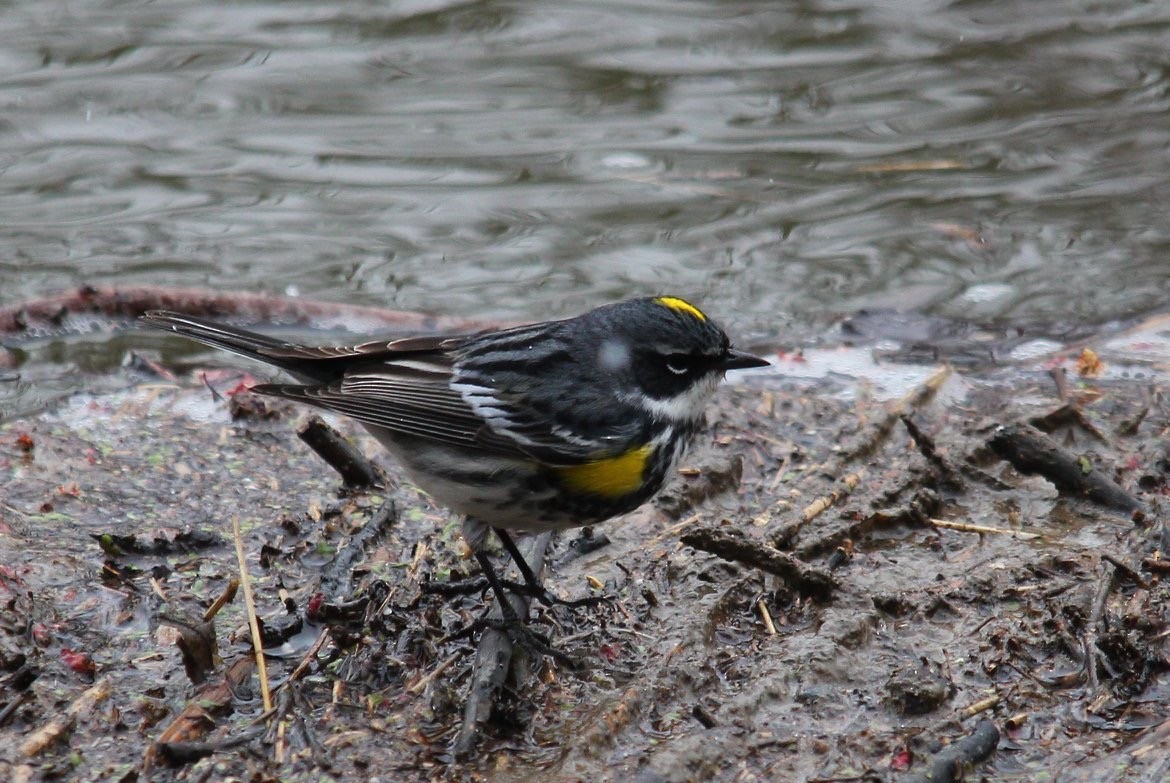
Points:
[(229, 338)]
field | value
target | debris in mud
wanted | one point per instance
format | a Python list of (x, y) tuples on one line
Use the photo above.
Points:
[(201, 713), (951, 587), (698, 483), (355, 470), (197, 644), (918, 688), (183, 541), (1030, 452), (245, 404), (953, 763), (732, 544), (60, 725)]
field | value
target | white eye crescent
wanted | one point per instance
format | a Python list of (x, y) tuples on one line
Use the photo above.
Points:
[(677, 369)]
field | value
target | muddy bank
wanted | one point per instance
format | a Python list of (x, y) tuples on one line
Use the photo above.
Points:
[(868, 578)]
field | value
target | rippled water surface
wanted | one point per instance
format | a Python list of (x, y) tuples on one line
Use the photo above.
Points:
[(784, 162)]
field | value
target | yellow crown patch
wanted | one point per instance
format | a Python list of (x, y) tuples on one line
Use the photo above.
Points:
[(681, 305)]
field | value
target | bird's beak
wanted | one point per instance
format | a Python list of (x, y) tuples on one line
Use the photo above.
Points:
[(739, 360)]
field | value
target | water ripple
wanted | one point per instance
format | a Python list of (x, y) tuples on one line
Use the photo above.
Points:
[(783, 162)]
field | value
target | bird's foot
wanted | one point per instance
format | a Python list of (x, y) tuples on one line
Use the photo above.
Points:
[(519, 633), (479, 584)]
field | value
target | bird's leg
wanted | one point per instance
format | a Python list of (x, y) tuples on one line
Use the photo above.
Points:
[(485, 564), (510, 621), (533, 587)]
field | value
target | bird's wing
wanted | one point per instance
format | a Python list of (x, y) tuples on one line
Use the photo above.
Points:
[(400, 385), (565, 427), (413, 396), (433, 411), (404, 406)]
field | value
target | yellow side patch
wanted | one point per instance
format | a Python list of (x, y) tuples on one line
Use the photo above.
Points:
[(681, 305), (609, 478)]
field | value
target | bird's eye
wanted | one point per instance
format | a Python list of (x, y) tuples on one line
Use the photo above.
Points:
[(678, 363)]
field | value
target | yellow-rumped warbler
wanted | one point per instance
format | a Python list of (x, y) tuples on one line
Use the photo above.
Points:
[(542, 427)]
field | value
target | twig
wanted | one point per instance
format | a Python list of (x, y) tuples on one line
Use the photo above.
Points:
[(14, 509), (13, 705), (229, 592), (732, 544), (303, 708), (1126, 570), (420, 685), (881, 428), (871, 440), (821, 505), (922, 506), (1089, 640), (1158, 564), (60, 725), (306, 659), (253, 623), (178, 753), (967, 527), (337, 574), (971, 710), (673, 530), (783, 537), (766, 616), (356, 471), (1068, 414), (277, 731), (1059, 377)]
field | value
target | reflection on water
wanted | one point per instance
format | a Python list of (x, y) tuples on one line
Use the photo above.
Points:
[(783, 162)]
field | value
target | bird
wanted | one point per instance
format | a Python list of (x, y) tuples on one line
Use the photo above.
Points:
[(546, 426)]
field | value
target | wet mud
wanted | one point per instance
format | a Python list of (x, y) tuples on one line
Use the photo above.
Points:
[(841, 584)]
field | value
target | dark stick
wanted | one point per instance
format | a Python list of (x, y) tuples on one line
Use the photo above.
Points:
[(177, 754), (731, 544), (356, 471), (14, 705), (1126, 570), (1096, 614), (337, 573), (1030, 451), (924, 504), (928, 450), (953, 762)]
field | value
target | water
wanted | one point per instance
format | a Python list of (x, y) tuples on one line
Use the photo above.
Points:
[(782, 162)]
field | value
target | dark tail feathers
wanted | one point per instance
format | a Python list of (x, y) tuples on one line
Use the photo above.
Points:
[(229, 338)]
